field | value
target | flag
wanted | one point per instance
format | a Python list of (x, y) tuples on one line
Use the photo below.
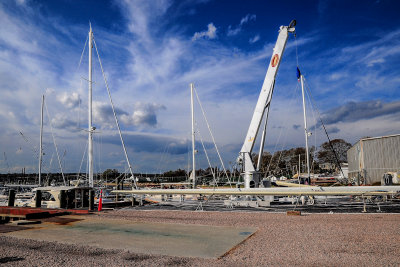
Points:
[(298, 73)]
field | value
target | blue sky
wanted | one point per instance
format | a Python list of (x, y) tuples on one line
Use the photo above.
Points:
[(349, 52)]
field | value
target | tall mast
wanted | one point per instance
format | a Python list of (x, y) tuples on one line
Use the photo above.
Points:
[(193, 137), (305, 126), (90, 130), (41, 142)]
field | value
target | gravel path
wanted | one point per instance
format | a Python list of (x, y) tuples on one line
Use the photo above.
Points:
[(307, 240)]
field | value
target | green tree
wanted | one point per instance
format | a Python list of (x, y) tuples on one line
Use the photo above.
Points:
[(326, 155), (110, 174)]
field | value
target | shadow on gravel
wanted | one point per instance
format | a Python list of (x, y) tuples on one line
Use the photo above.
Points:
[(176, 262), (137, 258), (34, 246), (167, 261), (10, 259)]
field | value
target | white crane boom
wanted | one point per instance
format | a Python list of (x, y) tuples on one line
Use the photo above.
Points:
[(251, 177)]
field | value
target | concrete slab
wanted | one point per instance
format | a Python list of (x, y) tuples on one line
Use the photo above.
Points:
[(185, 240)]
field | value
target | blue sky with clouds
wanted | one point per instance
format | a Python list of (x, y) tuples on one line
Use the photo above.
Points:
[(349, 52)]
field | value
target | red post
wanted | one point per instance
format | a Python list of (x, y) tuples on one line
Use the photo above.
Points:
[(100, 207)]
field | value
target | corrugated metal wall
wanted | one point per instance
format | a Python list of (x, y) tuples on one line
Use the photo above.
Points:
[(353, 158), (372, 157)]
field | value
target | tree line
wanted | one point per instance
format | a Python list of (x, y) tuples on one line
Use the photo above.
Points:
[(288, 162), (281, 163)]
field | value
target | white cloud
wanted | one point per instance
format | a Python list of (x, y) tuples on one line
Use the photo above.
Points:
[(336, 76), (21, 2), (254, 39), (211, 33), (378, 50), (247, 18), (103, 116), (375, 61), (355, 111), (69, 100), (236, 30), (143, 114), (62, 121)]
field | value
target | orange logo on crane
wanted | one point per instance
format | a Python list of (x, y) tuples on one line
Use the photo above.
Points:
[(275, 60)]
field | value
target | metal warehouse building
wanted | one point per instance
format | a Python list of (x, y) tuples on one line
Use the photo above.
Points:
[(370, 158)]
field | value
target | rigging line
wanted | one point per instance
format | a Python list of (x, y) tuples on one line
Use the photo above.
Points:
[(87, 170), (55, 145), (50, 163), (83, 157), (208, 160), (98, 153), (326, 132), (162, 156), (115, 115), (116, 178), (315, 123), (166, 158), (279, 138), (313, 115), (83, 51), (188, 157), (79, 108), (297, 56), (280, 133), (33, 147), (212, 136), (285, 136), (100, 149), (44, 162), (49, 169)]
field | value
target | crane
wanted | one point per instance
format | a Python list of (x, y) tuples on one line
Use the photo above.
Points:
[(251, 174)]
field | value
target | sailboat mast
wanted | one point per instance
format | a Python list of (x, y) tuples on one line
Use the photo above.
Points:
[(193, 137), (90, 130), (41, 142), (305, 127)]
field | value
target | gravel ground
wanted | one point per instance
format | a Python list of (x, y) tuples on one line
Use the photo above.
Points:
[(307, 240)]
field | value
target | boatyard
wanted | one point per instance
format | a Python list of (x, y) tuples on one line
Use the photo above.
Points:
[(292, 155)]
